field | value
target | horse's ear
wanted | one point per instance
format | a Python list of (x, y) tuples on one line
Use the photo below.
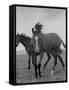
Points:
[(32, 30), (24, 34), (17, 33), (21, 33)]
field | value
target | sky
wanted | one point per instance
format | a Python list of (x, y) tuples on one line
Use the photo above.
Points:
[(53, 20)]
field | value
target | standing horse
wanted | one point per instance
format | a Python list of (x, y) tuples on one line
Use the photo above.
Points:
[(29, 47), (26, 42), (47, 43)]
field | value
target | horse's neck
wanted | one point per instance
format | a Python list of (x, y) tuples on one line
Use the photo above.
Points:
[(25, 43)]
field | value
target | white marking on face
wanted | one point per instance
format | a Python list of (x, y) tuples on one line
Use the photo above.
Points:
[(36, 46)]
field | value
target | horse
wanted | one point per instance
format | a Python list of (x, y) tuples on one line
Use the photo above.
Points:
[(27, 42), (50, 43)]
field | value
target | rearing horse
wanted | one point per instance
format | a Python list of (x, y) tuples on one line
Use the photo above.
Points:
[(47, 43)]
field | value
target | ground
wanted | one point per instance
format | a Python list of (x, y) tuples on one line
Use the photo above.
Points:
[(23, 75)]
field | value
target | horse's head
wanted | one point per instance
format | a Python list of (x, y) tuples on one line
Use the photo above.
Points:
[(22, 38), (17, 39), (38, 26), (35, 39), (25, 40), (37, 29), (25, 37), (34, 32)]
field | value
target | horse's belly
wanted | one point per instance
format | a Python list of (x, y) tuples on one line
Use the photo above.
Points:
[(48, 46)]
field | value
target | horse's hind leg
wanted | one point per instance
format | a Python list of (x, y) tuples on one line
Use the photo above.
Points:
[(47, 60), (55, 62), (29, 61), (61, 60)]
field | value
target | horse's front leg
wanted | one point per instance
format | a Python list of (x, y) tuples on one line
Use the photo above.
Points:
[(34, 62), (39, 64), (29, 59), (36, 75)]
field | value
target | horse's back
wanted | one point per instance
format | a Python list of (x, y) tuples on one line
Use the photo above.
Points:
[(48, 41)]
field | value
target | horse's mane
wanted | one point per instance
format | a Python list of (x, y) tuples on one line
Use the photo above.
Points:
[(17, 34), (26, 36)]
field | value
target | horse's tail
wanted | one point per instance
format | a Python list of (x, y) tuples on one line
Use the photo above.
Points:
[(60, 50), (63, 44)]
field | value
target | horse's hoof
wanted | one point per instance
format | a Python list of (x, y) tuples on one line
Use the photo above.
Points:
[(40, 75), (52, 72)]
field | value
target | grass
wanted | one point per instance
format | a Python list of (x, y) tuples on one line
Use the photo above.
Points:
[(23, 75)]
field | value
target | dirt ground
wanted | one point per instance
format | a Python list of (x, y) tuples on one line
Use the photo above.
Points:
[(23, 75)]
